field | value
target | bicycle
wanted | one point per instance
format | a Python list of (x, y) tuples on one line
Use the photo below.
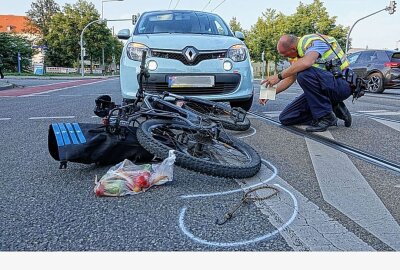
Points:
[(200, 141)]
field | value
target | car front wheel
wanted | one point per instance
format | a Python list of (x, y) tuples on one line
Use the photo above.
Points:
[(375, 83), (245, 104)]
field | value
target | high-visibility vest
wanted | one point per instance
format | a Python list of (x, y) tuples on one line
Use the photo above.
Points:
[(306, 41)]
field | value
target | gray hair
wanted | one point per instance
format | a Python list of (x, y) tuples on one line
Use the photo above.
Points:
[(288, 40)]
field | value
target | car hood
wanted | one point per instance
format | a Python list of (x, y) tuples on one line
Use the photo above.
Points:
[(180, 41)]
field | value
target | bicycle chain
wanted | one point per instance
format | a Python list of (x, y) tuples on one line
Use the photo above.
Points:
[(246, 199)]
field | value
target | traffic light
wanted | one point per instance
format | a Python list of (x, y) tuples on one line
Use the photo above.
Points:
[(392, 7), (135, 17)]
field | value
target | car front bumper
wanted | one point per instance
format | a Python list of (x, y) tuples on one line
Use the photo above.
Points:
[(233, 85)]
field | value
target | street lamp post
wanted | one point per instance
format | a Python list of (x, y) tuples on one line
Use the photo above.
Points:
[(102, 17), (391, 9), (81, 42)]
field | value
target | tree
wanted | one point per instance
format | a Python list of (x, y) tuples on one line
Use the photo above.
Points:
[(235, 25), (114, 48), (64, 35), (10, 46), (40, 14), (314, 18), (307, 19), (265, 34)]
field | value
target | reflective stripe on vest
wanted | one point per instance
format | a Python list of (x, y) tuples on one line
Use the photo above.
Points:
[(305, 42)]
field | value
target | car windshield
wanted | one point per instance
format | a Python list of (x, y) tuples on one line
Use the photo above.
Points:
[(187, 22)]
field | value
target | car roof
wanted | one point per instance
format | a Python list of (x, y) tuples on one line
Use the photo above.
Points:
[(373, 50), (177, 10)]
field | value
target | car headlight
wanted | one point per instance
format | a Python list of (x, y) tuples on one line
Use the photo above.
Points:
[(237, 52), (135, 51)]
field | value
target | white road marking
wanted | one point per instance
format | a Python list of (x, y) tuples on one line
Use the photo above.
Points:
[(249, 135), (383, 113), (394, 125), (33, 95), (244, 242), (70, 95), (50, 117), (260, 182), (306, 227), (343, 186), (271, 114), (374, 111), (312, 229), (5, 119)]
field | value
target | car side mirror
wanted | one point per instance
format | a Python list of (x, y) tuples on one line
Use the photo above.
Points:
[(239, 35), (124, 34)]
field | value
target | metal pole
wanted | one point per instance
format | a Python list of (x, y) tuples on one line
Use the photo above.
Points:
[(348, 34), (102, 17), (263, 65), (82, 66), (19, 63)]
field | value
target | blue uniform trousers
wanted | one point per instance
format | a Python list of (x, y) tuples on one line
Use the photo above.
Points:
[(321, 89)]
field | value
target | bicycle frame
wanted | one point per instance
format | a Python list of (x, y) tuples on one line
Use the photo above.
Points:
[(157, 107)]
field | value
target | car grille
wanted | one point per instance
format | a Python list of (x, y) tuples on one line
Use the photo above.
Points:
[(177, 55), (224, 84)]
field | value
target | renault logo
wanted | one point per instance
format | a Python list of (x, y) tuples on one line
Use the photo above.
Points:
[(190, 53)]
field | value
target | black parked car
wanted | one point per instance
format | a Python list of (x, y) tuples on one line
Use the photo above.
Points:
[(380, 67)]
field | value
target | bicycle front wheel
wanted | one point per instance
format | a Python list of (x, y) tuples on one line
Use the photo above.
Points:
[(224, 156)]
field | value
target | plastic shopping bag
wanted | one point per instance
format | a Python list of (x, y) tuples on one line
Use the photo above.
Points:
[(127, 178)]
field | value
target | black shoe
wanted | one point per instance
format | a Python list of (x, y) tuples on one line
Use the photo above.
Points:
[(323, 123), (343, 113)]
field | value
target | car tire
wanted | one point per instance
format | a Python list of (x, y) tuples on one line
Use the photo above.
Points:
[(245, 105), (375, 83)]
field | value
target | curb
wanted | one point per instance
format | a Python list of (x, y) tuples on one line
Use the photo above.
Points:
[(5, 86)]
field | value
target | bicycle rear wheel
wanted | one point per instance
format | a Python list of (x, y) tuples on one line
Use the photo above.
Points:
[(217, 112), (224, 157)]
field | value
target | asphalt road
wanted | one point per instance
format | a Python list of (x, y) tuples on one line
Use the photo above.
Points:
[(327, 201)]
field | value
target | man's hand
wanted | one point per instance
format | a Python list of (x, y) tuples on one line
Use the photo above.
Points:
[(271, 81), (262, 101)]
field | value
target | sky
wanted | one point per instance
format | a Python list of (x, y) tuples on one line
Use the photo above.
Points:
[(378, 31)]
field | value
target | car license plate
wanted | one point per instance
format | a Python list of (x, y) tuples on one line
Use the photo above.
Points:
[(190, 81)]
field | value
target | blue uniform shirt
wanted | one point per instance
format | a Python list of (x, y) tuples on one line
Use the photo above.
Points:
[(318, 46)]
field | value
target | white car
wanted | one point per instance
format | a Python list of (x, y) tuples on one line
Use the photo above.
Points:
[(190, 53)]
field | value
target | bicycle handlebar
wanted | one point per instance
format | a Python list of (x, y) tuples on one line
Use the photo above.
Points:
[(143, 63)]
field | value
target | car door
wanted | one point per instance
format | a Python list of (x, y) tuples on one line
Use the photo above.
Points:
[(365, 63), (353, 61)]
